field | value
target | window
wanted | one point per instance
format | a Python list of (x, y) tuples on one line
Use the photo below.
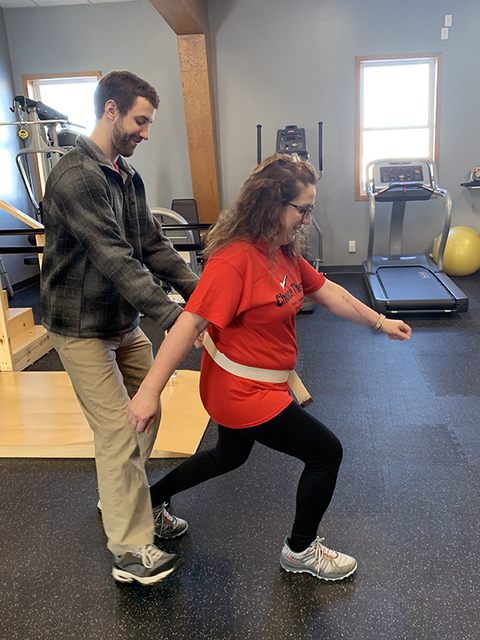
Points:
[(68, 93), (71, 94), (397, 110)]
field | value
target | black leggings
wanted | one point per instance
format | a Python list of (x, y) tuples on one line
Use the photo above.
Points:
[(294, 432)]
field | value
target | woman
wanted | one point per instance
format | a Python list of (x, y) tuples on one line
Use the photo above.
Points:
[(248, 295)]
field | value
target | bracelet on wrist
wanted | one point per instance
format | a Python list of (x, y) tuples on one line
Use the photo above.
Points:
[(378, 325)]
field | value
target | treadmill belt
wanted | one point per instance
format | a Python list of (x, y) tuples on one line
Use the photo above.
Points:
[(414, 287)]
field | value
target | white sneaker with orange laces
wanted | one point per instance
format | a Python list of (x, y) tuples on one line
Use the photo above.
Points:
[(318, 560)]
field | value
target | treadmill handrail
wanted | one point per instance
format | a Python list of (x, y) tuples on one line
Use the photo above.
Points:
[(446, 226), (371, 227), (434, 188), (396, 185)]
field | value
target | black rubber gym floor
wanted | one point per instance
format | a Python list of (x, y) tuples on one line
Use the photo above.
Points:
[(406, 506)]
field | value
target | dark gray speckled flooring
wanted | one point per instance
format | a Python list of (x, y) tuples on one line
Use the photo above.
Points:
[(407, 507)]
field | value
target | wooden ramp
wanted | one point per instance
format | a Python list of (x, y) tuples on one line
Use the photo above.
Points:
[(41, 418)]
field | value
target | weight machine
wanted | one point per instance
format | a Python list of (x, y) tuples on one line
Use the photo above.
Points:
[(43, 139)]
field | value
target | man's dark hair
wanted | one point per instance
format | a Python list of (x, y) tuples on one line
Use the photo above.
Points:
[(124, 88)]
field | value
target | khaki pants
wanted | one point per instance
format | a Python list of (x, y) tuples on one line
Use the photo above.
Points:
[(105, 374)]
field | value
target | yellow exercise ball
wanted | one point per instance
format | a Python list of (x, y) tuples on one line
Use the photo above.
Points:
[(462, 251)]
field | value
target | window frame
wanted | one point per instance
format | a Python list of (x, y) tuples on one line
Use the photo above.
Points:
[(29, 84), (435, 96)]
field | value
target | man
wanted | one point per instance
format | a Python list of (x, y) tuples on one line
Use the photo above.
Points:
[(99, 234)]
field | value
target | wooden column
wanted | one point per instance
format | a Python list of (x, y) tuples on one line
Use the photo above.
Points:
[(189, 20), (200, 120)]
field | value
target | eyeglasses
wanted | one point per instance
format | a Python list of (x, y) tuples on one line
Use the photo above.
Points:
[(305, 211)]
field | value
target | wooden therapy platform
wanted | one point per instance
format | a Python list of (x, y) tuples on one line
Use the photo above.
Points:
[(41, 418)]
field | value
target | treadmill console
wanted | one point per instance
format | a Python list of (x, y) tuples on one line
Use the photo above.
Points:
[(405, 173), (402, 179)]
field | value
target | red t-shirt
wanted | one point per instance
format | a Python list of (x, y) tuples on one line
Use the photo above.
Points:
[(251, 305)]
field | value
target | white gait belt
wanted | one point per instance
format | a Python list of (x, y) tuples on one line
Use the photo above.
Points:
[(257, 374)]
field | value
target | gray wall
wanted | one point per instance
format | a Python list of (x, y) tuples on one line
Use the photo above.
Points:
[(11, 186), (102, 37), (280, 62), (276, 62)]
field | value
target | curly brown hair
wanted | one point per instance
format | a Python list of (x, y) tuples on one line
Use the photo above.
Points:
[(257, 212)]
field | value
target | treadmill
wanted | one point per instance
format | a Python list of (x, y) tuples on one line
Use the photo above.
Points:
[(405, 283)]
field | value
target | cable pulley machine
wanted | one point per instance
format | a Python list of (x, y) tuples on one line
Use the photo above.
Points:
[(42, 122)]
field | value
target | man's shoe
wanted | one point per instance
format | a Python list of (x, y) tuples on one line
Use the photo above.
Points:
[(147, 566), (318, 560), (166, 525)]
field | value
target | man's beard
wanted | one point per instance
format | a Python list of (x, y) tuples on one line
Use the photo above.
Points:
[(122, 141)]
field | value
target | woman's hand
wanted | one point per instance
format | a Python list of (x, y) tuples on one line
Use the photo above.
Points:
[(198, 344), (396, 329), (142, 409)]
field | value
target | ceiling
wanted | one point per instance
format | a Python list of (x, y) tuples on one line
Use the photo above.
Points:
[(14, 4)]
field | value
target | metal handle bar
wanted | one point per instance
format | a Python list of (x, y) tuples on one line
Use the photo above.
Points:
[(20, 250), (22, 232), (402, 185), (183, 227), (23, 122)]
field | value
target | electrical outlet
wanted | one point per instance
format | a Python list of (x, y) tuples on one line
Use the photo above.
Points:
[(352, 246), (448, 20), (444, 35)]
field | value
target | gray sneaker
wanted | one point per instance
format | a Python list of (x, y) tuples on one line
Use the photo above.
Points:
[(318, 560), (148, 565), (166, 525)]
